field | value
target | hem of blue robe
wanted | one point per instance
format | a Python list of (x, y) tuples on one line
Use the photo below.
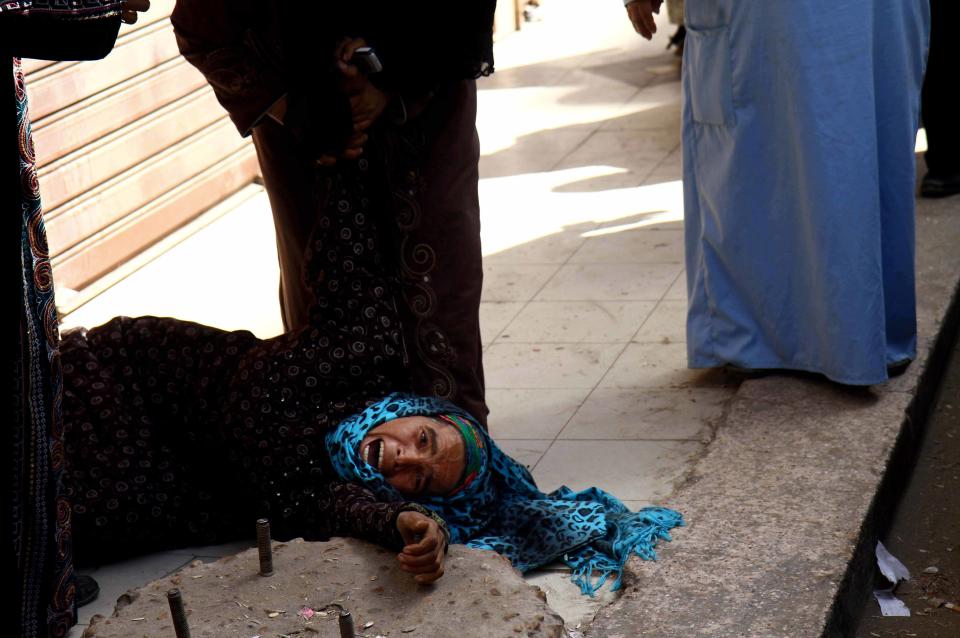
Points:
[(780, 365)]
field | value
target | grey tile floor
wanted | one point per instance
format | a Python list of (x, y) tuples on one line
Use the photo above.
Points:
[(584, 294)]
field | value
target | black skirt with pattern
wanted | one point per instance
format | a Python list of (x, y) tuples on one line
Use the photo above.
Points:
[(180, 434)]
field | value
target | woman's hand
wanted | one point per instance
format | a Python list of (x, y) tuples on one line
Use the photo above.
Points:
[(130, 10), (425, 547), (641, 15), (352, 150), (366, 101), (347, 47), (367, 104)]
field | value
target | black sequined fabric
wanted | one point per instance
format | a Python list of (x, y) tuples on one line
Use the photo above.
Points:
[(181, 434)]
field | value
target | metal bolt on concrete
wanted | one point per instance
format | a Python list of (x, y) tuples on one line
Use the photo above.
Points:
[(480, 596)]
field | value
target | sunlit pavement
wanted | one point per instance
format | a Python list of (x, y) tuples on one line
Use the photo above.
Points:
[(584, 293)]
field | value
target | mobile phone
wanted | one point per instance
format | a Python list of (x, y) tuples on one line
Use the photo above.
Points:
[(365, 59)]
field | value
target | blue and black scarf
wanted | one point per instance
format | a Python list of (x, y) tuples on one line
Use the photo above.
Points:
[(502, 510)]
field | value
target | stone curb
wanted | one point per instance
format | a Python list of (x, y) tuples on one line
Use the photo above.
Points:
[(785, 506)]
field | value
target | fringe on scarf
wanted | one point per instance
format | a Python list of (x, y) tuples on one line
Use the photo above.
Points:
[(630, 533)]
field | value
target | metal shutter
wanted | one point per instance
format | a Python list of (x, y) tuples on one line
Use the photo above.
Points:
[(129, 149)]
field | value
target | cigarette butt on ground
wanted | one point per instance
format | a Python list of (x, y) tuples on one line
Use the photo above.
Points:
[(939, 602)]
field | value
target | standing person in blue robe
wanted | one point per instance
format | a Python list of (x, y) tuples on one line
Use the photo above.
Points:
[(799, 124), (37, 536)]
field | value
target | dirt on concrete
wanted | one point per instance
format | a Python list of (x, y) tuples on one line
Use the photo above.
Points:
[(480, 595), (925, 532)]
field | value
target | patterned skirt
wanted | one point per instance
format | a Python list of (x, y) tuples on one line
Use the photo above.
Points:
[(181, 434)]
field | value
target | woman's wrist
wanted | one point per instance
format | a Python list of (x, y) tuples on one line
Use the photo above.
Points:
[(420, 509), (322, 124)]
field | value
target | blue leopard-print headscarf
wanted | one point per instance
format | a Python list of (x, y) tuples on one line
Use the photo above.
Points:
[(502, 509)]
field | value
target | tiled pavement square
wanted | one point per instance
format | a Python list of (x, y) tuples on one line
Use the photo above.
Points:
[(577, 322), (678, 291), (610, 281), (495, 316), (632, 470), (554, 248), (532, 413), (515, 282), (658, 365), (624, 414), (548, 365), (666, 324), (528, 452), (607, 146), (636, 246)]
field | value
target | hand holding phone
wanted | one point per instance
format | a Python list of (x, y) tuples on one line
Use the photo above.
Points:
[(365, 59)]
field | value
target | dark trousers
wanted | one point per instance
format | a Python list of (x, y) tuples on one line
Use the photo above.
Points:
[(437, 252), (940, 107)]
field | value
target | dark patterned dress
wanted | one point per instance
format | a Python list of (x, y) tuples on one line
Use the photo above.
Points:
[(182, 434), (36, 537), (252, 55)]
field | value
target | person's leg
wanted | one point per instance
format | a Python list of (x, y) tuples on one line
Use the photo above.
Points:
[(940, 104), (37, 540), (182, 434), (288, 180), (437, 251), (288, 392), (780, 144), (440, 258), (898, 77)]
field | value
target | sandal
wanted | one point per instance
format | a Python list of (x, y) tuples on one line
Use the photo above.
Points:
[(87, 589)]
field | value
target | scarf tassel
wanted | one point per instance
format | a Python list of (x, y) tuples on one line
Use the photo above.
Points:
[(633, 533)]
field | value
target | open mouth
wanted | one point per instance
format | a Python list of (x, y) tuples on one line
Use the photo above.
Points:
[(373, 453)]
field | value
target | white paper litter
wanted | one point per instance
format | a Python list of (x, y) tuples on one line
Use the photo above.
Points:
[(890, 566), (890, 605)]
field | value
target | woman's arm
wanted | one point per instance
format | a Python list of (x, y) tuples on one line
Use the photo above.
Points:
[(346, 509), (46, 36), (217, 37), (237, 48)]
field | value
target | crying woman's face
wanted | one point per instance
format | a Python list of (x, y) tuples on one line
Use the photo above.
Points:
[(418, 455)]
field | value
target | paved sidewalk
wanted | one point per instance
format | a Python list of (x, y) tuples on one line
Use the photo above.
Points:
[(584, 295), (799, 483)]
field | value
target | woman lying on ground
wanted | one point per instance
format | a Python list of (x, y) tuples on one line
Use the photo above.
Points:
[(179, 434)]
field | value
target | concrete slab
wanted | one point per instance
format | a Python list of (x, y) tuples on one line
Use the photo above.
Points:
[(115, 579), (480, 596), (566, 598)]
